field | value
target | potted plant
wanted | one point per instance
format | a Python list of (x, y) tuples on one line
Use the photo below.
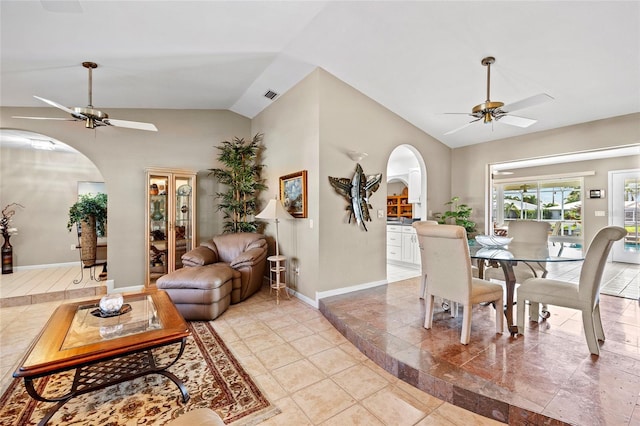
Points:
[(242, 178), (89, 214), (459, 215)]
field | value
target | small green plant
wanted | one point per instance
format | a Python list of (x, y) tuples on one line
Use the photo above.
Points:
[(242, 176), (459, 215), (90, 205)]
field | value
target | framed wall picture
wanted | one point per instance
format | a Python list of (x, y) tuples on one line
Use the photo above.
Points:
[(293, 193)]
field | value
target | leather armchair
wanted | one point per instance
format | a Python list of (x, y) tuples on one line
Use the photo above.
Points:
[(244, 252)]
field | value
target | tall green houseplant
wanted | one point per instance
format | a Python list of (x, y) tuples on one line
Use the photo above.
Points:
[(459, 214), (90, 213), (242, 177)]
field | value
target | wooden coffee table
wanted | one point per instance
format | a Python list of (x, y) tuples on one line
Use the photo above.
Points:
[(104, 351)]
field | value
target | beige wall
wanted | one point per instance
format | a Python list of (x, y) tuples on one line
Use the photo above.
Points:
[(316, 123), (290, 127), (311, 127), (46, 183), (186, 139), (469, 172)]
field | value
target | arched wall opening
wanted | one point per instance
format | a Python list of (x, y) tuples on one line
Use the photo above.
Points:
[(45, 176)]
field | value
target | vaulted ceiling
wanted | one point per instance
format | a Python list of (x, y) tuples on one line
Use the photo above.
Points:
[(418, 59)]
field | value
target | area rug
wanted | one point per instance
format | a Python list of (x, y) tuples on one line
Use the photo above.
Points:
[(208, 369)]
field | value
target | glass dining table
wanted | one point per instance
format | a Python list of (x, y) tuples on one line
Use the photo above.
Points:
[(506, 257)]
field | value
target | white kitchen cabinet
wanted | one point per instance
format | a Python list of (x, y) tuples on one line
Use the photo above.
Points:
[(415, 187), (402, 244), (394, 242), (410, 248)]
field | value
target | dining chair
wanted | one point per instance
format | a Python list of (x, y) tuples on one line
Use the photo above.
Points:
[(447, 265), (526, 231), (418, 225), (583, 296)]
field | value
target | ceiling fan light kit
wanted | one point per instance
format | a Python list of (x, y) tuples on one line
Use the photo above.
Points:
[(490, 111), (92, 117)]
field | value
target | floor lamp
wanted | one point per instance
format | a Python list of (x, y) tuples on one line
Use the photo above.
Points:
[(274, 211)]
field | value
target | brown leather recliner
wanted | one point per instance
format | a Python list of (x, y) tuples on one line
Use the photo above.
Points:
[(245, 252), (227, 269)]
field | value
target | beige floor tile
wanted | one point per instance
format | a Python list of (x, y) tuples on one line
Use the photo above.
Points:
[(322, 400), (353, 416), (278, 356), (311, 344), (318, 324), (393, 407), (239, 349), (253, 365), (295, 332), (332, 360), (290, 415), (349, 348), (271, 388), (333, 336), (360, 381), (298, 375), (280, 321), (250, 329), (451, 415), (263, 341)]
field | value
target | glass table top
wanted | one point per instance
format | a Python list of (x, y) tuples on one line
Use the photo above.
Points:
[(89, 327)]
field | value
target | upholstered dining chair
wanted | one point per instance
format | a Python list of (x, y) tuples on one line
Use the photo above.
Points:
[(423, 275), (526, 231), (583, 296), (448, 267)]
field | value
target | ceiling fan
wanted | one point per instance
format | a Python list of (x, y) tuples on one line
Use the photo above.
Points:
[(92, 117), (498, 111)]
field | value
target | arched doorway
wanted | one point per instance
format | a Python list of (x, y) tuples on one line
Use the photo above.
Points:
[(406, 202), (45, 176)]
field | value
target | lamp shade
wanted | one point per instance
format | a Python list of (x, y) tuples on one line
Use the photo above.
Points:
[(274, 210)]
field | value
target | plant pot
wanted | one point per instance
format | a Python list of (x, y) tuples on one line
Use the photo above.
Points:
[(88, 241)]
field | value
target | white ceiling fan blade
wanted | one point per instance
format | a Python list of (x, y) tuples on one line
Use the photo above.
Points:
[(460, 128), (57, 105), (131, 124), (45, 118), (527, 102), (514, 120)]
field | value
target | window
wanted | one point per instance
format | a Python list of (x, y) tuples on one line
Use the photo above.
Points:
[(555, 201)]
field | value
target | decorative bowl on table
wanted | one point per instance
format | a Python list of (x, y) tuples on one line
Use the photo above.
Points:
[(111, 304), (493, 240)]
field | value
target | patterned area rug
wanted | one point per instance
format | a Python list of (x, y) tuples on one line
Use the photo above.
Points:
[(211, 374)]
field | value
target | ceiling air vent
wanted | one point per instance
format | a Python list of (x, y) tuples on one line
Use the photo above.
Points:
[(270, 94)]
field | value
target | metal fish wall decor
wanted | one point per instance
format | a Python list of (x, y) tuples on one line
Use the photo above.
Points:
[(357, 191)]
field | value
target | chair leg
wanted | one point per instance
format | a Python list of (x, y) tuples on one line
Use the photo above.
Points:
[(423, 285), (534, 311), (428, 316), (466, 324), (597, 322), (520, 314), (499, 317), (589, 332)]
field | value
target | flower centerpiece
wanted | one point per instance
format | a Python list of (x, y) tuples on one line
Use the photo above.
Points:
[(7, 232)]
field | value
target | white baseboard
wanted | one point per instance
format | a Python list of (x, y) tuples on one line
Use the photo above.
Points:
[(345, 290), (132, 289), (49, 265)]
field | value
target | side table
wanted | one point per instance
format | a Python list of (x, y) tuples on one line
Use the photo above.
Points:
[(277, 267)]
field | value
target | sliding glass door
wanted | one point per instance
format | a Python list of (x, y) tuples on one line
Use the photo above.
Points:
[(625, 190)]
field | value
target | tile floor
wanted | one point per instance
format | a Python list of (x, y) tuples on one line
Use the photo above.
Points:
[(316, 376), (304, 366), (546, 376)]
